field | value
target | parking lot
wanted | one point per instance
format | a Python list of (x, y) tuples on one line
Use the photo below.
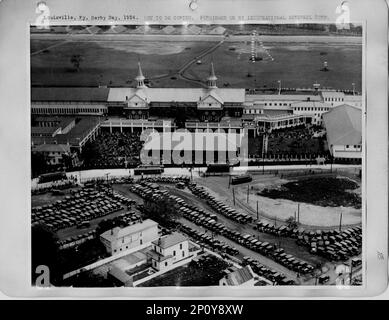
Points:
[(280, 254)]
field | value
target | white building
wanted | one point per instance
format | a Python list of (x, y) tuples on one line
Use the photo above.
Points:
[(313, 109), (336, 98), (136, 236), (169, 250), (344, 132)]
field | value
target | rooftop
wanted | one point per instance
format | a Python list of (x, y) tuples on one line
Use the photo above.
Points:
[(170, 240), (120, 275), (343, 125), (177, 94), (117, 233), (69, 94), (282, 97), (51, 148), (239, 276)]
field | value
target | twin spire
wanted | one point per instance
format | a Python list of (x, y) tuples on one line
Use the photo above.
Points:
[(211, 80), (140, 79)]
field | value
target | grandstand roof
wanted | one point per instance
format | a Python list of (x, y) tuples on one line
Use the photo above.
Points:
[(218, 30), (178, 94), (69, 94), (93, 29), (343, 125), (169, 29), (194, 29)]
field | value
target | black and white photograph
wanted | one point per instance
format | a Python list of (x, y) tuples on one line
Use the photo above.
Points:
[(197, 155)]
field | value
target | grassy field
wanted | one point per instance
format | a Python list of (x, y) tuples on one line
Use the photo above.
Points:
[(297, 64), (328, 191)]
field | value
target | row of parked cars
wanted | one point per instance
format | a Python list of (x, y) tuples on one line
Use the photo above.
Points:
[(219, 206), (77, 209), (166, 179), (209, 241), (283, 230), (76, 240), (209, 221), (129, 218), (60, 185), (333, 244), (274, 276), (271, 251)]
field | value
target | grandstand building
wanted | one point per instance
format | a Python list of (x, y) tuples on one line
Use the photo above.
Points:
[(123, 109), (208, 104), (205, 108)]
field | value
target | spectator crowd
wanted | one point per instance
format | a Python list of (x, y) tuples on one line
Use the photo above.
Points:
[(113, 150)]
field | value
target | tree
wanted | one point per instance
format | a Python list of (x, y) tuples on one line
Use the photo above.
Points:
[(38, 163), (162, 210), (89, 153), (291, 222)]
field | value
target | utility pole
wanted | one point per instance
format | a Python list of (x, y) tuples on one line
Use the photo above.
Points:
[(351, 274), (248, 192), (263, 153), (257, 211), (298, 213), (340, 222), (229, 181), (233, 195)]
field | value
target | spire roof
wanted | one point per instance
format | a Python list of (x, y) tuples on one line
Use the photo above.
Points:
[(212, 75), (140, 75)]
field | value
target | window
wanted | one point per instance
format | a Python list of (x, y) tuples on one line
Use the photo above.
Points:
[(181, 246), (183, 253), (165, 264), (174, 253), (114, 250), (347, 146)]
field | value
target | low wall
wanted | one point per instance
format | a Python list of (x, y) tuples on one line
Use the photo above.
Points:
[(104, 261)]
